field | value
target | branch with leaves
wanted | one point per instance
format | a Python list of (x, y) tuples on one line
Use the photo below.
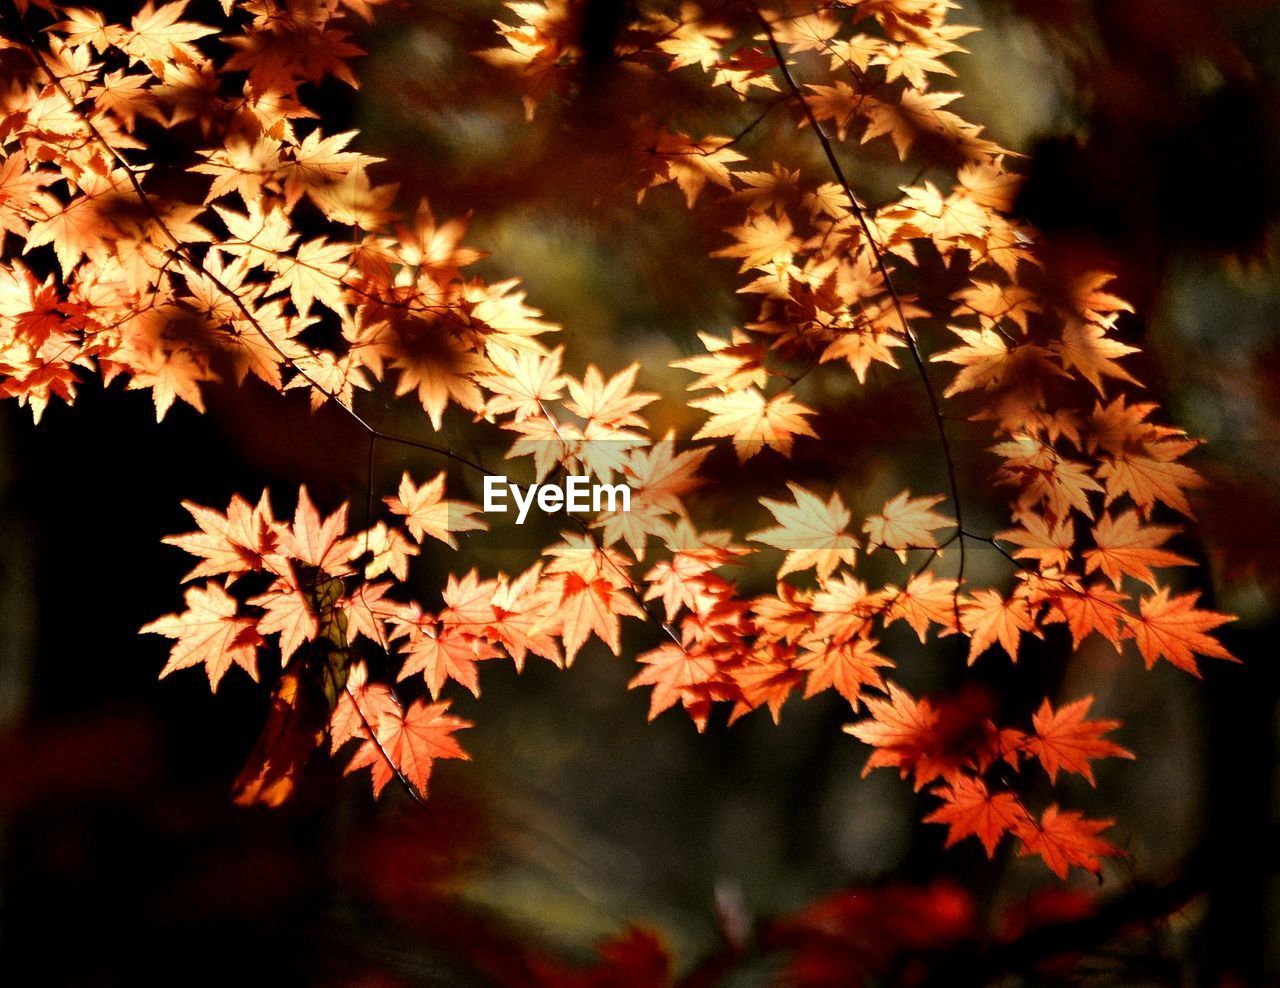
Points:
[(170, 276)]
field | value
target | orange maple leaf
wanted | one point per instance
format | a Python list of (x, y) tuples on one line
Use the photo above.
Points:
[(988, 617), (211, 632), (588, 606), (409, 743), (1063, 739), (1172, 628), (1066, 839), (1125, 547), (901, 729), (234, 543), (846, 667), (317, 543), (443, 654), (289, 612), (970, 810), (361, 706)]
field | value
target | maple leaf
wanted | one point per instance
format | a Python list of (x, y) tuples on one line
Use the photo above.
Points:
[(754, 422), (919, 119), (836, 103), (22, 193), (988, 617), (679, 675), (157, 35), (1087, 609), (328, 378), (727, 365), (691, 164), (361, 707), (87, 27), (520, 611), (680, 581), (314, 274), (1063, 739), (987, 184), (658, 477), (987, 360), (367, 610), (925, 600), (901, 729), (846, 667), (911, 61), (241, 165), (762, 242), (994, 303), (773, 189), (906, 523), (693, 40), (1148, 479), (438, 367), (1172, 628), (468, 602), (944, 739), (588, 606), (812, 533), (210, 631), (1125, 547), (235, 543), (443, 654), (409, 743), (788, 616), (1066, 839), (1086, 298), (863, 346), (1085, 347), (767, 677), (521, 382), (320, 161), (845, 608), (1050, 546), (317, 542), (389, 550), (608, 402), (352, 200), (170, 375), (970, 810), (433, 247), (745, 68), (426, 512), (289, 612), (1043, 476)]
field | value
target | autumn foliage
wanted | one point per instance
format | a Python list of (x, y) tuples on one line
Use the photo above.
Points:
[(296, 267)]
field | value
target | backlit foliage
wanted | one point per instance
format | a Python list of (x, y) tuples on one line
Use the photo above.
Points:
[(108, 271)]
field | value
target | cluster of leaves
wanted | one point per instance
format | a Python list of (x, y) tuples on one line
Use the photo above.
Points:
[(294, 268)]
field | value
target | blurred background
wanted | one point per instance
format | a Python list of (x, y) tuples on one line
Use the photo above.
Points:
[(1150, 130)]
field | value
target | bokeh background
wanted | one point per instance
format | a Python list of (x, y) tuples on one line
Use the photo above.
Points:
[(1150, 134)]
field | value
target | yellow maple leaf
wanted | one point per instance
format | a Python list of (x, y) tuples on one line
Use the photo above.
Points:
[(906, 523), (754, 421), (812, 533), (427, 512)]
